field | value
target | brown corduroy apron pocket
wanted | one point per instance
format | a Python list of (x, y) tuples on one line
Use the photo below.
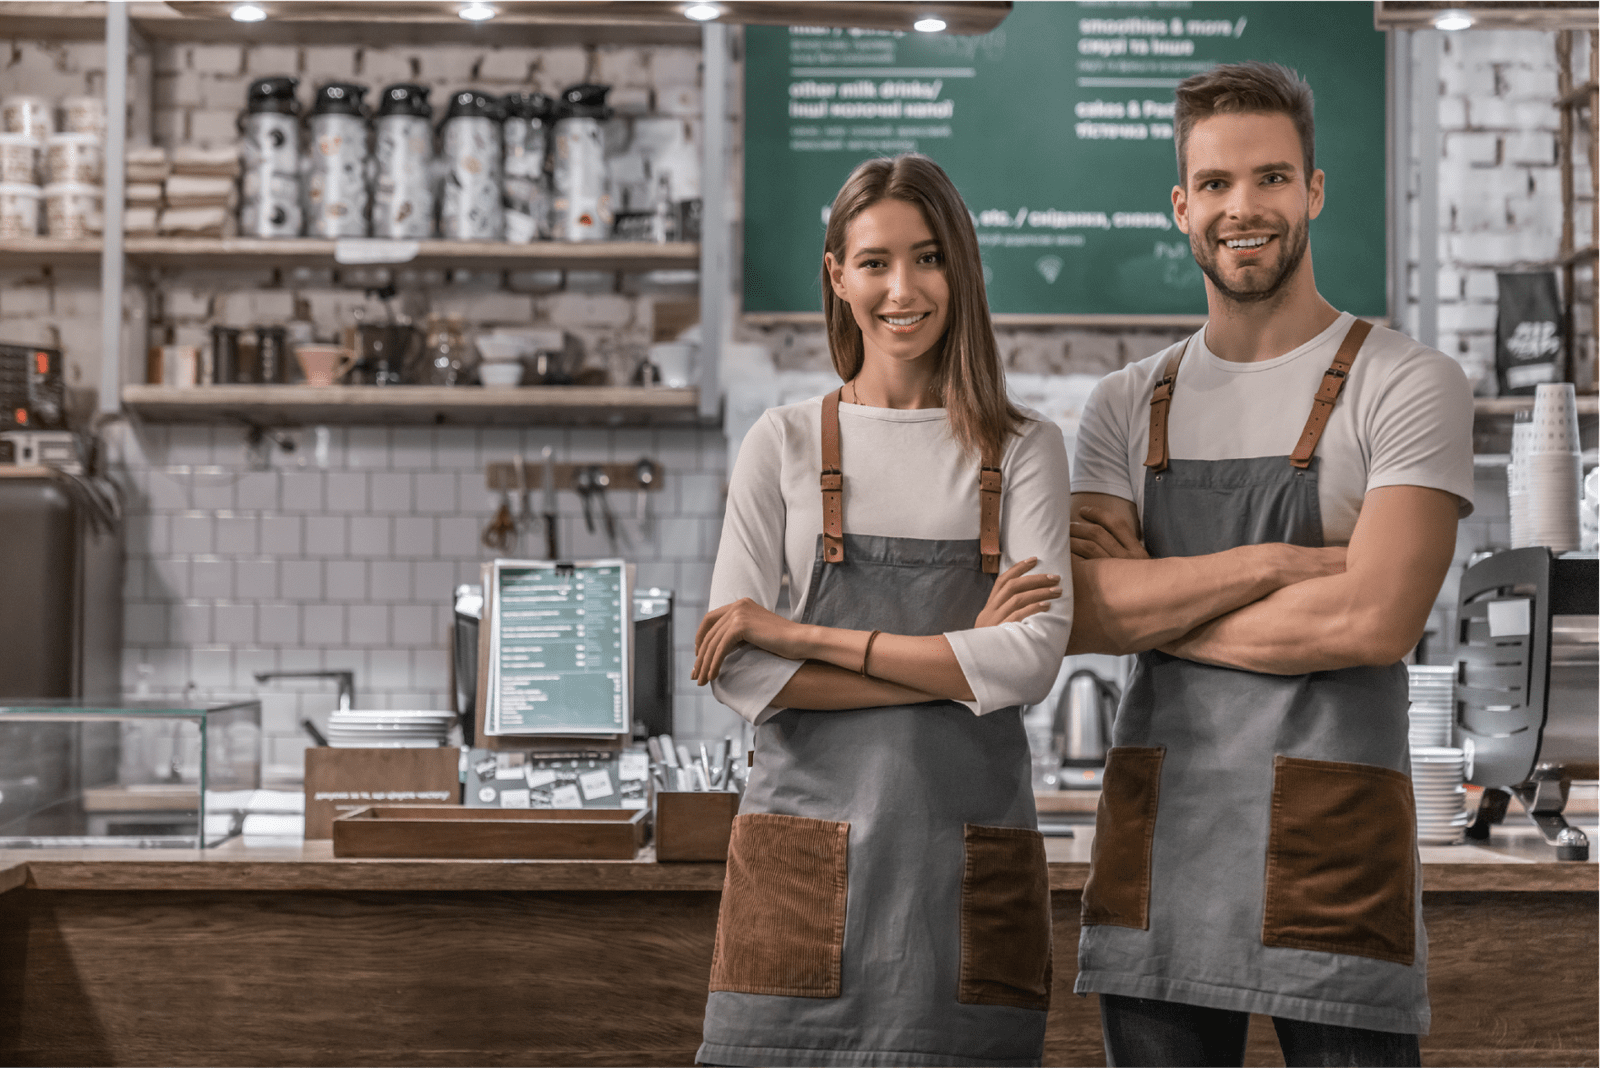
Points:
[(1117, 892), (1005, 919), (1341, 860), (781, 928)]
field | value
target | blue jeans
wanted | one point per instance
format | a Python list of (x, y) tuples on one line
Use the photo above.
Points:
[(1148, 1033)]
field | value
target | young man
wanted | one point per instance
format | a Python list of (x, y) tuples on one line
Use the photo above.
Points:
[(1265, 513)]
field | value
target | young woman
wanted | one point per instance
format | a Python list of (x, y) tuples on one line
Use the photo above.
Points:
[(886, 899)]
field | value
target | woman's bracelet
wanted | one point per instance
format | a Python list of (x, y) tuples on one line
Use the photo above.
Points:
[(868, 651)]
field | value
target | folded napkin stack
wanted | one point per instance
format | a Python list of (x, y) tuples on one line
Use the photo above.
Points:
[(201, 192)]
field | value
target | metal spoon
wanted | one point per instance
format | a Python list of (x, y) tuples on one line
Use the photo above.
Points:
[(583, 482), (645, 472)]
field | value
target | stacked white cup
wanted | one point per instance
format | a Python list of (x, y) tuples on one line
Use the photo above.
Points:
[(1441, 800), (1546, 471), (1432, 703)]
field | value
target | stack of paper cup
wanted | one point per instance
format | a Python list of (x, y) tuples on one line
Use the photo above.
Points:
[(1546, 472), (1436, 787), (1516, 479), (1432, 703)]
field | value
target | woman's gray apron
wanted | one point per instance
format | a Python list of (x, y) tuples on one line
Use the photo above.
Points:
[(1255, 847), (887, 898)]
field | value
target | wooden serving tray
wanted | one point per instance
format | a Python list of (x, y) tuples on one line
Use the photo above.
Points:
[(458, 833)]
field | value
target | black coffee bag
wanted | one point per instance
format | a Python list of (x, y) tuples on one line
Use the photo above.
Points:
[(1530, 346)]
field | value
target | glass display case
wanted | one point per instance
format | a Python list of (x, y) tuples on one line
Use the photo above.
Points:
[(125, 773)]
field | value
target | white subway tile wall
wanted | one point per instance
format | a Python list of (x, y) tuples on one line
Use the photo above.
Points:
[(353, 566)]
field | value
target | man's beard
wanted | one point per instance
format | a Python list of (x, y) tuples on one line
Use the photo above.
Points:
[(1294, 243)]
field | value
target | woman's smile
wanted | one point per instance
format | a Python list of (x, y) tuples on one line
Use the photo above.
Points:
[(904, 322)]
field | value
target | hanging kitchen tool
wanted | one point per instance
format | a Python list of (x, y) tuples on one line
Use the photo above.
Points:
[(645, 471), (615, 535), (551, 544), (525, 513), (502, 528), (583, 482)]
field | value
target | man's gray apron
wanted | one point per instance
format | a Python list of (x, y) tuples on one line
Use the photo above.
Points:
[(887, 898), (1255, 847)]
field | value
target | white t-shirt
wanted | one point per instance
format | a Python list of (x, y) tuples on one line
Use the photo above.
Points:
[(1404, 418), (904, 476)]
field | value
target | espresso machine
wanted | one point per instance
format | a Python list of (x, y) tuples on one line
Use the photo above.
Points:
[(1526, 674)]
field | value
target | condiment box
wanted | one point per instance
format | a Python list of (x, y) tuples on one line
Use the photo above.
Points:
[(694, 826), (458, 833), (343, 780)]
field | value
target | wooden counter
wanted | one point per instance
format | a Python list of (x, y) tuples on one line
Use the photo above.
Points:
[(285, 955)]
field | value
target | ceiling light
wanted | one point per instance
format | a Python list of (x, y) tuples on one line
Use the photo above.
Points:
[(477, 12), (702, 12), (248, 13), (929, 24), (1454, 19)]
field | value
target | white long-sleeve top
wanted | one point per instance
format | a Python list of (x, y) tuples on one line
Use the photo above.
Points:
[(906, 477)]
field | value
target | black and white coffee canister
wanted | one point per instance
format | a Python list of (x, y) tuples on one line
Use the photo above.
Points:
[(336, 171), (526, 135), (580, 179), (269, 154), (470, 207), (402, 203)]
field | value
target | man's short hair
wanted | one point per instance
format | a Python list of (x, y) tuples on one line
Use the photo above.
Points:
[(1234, 88)]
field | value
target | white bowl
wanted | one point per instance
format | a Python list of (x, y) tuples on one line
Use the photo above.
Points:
[(501, 348), (500, 375)]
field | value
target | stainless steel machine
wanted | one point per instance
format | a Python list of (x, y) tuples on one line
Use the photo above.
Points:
[(652, 659), (1526, 678)]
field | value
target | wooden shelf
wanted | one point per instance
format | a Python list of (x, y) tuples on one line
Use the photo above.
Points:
[(48, 20), (1497, 406), (50, 252), (430, 405), (493, 255), (520, 23), (597, 21), (181, 252)]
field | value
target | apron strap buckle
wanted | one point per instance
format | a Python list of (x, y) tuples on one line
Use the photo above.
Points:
[(1333, 380), (1160, 403), (832, 481)]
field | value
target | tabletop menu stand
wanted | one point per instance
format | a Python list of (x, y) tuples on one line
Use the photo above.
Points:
[(1524, 736)]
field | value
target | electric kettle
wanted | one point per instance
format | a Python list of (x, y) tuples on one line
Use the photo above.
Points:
[(1083, 727)]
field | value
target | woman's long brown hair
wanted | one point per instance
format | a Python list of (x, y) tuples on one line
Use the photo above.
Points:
[(968, 378)]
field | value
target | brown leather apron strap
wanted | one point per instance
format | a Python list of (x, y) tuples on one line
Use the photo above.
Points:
[(1160, 402), (989, 482), (1332, 382), (832, 482)]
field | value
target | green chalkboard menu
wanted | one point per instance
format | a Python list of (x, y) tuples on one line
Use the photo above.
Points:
[(559, 648), (1057, 129)]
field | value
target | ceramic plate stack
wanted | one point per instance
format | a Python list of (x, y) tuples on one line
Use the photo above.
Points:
[(1545, 473), (388, 730), (1436, 778), (1432, 702)]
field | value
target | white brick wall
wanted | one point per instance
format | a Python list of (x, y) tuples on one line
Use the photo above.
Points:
[(1499, 183)]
